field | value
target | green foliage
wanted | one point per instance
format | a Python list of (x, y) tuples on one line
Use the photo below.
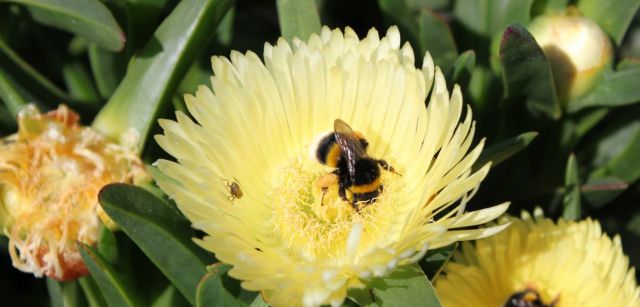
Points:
[(115, 290), (571, 201), (298, 18), (88, 18), (614, 16), (527, 73), (504, 150), (167, 56), (406, 286), (618, 88), (123, 64), (157, 227)]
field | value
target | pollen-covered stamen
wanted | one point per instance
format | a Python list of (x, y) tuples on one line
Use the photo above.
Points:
[(315, 226)]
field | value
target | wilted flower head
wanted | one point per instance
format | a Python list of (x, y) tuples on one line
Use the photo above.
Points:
[(558, 264), (50, 175), (254, 130), (578, 51)]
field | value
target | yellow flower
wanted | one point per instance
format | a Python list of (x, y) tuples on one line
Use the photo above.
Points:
[(50, 175), (256, 128), (567, 264)]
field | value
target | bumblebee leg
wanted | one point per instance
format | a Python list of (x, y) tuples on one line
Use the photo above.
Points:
[(342, 192), (384, 164), (324, 191), (354, 202)]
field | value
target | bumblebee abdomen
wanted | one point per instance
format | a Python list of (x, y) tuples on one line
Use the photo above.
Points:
[(367, 176), (328, 151), (368, 197)]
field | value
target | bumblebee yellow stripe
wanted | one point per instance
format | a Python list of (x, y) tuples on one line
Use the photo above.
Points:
[(333, 155), (365, 188)]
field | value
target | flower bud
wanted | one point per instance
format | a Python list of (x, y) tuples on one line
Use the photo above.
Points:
[(577, 49), (51, 171)]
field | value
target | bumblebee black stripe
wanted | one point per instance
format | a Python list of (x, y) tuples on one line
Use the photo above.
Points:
[(324, 146)]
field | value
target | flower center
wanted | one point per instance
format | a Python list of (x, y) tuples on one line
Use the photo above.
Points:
[(527, 298), (314, 223)]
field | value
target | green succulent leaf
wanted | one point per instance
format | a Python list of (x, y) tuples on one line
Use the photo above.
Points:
[(91, 292), (624, 164), (502, 151), (156, 72), (435, 260), (617, 88), (398, 13), (406, 286), (211, 290), (64, 294), (435, 36), (298, 18), (597, 192), (88, 18), (79, 83), (259, 302), (543, 6), (571, 201), (527, 73), (11, 93), (463, 67), (107, 244), (170, 297), (157, 228), (490, 17), (614, 16), (115, 292), (28, 77)]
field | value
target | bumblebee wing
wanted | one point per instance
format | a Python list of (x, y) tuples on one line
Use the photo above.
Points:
[(350, 145)]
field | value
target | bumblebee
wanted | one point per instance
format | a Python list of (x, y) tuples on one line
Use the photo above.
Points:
[(355, 171), (234, 189), (527, 298)]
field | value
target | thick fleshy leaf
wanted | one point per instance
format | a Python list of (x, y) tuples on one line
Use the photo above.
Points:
[(545, 6), (298, 18), (170, 297), (28, 77), (92, 292), (597, 192), (617, 88), (490, 17), (624, 163), (114, 290), (107, 244), (398, 13), (576, 126), (434, 260), (63, 294), (614, 16), (406, 286), (211, 290), (571, 201), (108, 69), (156, 72), (79, 83), (527, 73), (157, 227), (11, 93), (463, 68), (504, 150), (258, 302), (435, 36), (87, 18)]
